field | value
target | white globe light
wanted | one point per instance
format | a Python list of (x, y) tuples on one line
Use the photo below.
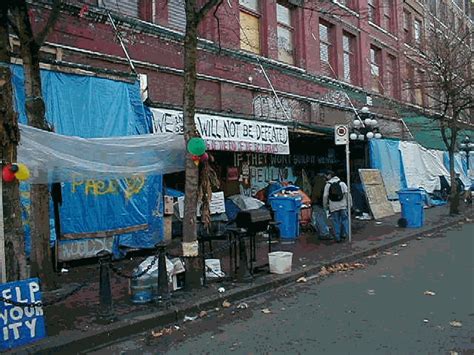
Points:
[(364, 109), (463, 145), (378, 135), (353, 136), (367, 121), (462, 152), (370, 135), (471, 145), (374, 122), (357, 123), (360, 137)]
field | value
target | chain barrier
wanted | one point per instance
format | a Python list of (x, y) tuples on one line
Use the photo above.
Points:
[(226, 246), (120, 273), (41, 303)]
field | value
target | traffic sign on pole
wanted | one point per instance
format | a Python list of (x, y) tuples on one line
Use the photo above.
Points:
[(341, 134)]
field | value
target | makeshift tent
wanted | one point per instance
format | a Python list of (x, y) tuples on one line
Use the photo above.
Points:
[(89, 107)]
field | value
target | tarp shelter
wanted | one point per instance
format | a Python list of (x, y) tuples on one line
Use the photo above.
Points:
[(110, 214)]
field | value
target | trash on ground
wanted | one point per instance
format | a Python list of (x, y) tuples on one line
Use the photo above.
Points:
[(425, 320), (221, 289), (419, 238), (266, 311), (371, 292), (177, 327), (429, 293), (63, 270), (189, 318), (159, 333), (404, 245), (302, 279), (455, 323), (226, 304), (387, 253), (202, 314), (242, 305), (395, 254), (378, 223), (304, 265)]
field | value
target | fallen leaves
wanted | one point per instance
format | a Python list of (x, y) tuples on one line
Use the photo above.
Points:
[(455, 324), (339, 267), (429, 293)]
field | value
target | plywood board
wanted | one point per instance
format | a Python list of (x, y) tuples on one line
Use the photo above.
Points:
[(376, 193)]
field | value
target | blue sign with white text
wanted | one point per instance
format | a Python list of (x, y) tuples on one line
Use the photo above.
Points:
[(20, 325)]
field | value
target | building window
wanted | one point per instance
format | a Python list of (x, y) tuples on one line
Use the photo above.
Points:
[(410, 84), (177, 15), (348, 45), (250, 26), (326, 49), (417, 32), (407, 27), (285, 35), (373, 11), (387, 15), (419, 85), (123, 7), (432, 6), (376, 69), (392, 76)]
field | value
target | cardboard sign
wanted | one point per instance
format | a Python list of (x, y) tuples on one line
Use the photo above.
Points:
[(20, 325), (217, 204), (227, 133), (376, 193)]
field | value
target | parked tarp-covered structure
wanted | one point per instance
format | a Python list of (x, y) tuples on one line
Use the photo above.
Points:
[(111, 213)]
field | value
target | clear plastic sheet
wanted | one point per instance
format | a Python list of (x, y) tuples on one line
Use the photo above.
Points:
[(53, 157)]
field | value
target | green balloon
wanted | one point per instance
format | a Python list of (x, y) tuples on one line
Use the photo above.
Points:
[(197, 146)]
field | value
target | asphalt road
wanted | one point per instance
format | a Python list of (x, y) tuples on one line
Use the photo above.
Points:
[(381, 308)]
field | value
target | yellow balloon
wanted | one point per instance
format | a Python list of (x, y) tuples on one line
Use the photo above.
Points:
[(23, 172)]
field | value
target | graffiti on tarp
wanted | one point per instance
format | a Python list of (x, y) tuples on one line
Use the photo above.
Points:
[(268, 107), (257, 159), (83, 248), (128, 186)]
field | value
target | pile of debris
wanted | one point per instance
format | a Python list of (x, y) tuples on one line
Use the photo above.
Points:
[(339, 267)]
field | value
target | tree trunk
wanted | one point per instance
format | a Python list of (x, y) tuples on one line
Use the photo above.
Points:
[(41, 262), (190, 250), (9, 136), (454, 195)]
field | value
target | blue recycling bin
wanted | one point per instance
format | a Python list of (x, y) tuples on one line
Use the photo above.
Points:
[(287, 212), (412, 203)]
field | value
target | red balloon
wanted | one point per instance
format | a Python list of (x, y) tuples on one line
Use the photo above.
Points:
[(195, 158), (204, 157), (7, 174)]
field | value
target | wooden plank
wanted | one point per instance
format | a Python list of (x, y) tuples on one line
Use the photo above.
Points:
[(376, 193), (104, 234)]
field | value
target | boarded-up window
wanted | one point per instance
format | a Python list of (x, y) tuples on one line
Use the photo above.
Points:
[(249, 26), (123, 7), (391, 84), (348, 57), (177, 15), (285, 35), (376, 69), (373, 9), (326, 49)]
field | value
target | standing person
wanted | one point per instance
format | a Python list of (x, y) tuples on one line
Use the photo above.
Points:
[(319, 217), (335, 198)]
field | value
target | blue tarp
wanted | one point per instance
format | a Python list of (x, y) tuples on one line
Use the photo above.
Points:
[(91, 107), (385, 156)]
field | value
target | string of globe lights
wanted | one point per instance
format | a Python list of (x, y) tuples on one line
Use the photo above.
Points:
[(364, 126)]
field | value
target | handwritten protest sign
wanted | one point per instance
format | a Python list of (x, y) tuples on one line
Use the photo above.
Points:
[(226, 133), (20, 325)]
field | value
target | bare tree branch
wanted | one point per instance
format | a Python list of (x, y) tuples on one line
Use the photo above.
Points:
[(49, 26)]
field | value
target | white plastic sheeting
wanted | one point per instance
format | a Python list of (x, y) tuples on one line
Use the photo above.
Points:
[(53, 157), (422, 166)]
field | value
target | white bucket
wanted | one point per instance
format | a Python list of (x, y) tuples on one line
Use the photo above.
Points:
[(280, 262), (213, 268)]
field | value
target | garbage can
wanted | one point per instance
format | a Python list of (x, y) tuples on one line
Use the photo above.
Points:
[(286, 206), (411, 201)]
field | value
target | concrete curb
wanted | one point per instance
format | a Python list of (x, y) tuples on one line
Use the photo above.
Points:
[(83, 341)]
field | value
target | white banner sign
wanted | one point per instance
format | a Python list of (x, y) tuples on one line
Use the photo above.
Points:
[(227, 134)]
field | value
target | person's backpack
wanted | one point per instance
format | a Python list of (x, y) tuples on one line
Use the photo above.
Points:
[(335, 191)]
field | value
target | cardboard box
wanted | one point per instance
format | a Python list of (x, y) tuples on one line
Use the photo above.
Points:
[(168, 208)]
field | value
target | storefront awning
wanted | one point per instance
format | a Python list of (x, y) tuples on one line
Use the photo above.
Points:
[(426, 132), (227, 133)]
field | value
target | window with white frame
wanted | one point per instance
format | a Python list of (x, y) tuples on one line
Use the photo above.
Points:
[(376, 68), (373, 9), (417, 32), (326, 49), (348, 45), (387, 15), (285, 35)]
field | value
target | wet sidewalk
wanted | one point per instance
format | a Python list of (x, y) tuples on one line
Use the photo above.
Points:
[(73, 323)]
